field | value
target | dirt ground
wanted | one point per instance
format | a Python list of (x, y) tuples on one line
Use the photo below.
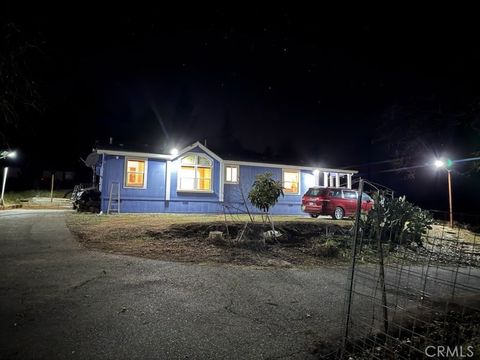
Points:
[(185, 238), (304, 241)]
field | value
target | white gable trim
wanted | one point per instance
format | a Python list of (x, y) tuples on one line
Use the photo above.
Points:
[(202, 147)]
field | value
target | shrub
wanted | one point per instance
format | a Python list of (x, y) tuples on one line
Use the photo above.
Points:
[(396, 221), (265, 192), (328, 249)]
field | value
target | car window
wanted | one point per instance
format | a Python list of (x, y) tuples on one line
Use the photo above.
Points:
[(349, 194), (314, 192), (366, 197), (335, 193)]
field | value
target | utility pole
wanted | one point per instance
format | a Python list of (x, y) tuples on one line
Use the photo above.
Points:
[(450, 196)]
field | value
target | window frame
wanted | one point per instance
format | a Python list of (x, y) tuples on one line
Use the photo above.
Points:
[(283, 181), (238, 174), (125, 173), (195, 166)]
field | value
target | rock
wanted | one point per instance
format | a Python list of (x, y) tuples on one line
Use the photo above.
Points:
[(277, 262), (270, 234), (216, 237)]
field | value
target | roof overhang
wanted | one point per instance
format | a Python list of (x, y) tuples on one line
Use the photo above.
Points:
[(216, 157), (296, 167), (134, 153)]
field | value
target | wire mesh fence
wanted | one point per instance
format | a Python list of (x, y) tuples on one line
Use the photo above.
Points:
[(415, 300)]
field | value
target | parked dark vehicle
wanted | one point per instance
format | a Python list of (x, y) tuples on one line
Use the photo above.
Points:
[(87, 200), (76, 190), (336, 202)]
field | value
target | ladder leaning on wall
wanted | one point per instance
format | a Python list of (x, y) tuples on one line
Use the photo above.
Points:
[(114, 198)]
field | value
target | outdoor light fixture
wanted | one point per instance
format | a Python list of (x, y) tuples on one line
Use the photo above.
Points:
[(5, 172), (7, 153), (447, 165), (4, 154), (174, 151), (316, 172)]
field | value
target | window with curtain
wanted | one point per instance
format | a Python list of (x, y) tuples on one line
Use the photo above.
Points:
[(195, 173), (135, 173), (291, 181)]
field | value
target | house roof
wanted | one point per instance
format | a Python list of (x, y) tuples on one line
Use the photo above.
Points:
[(193, 146), (128, 151)]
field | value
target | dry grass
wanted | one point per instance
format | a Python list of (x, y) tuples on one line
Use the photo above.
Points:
[(19, 197), (181, 237), (149, 235), (460, 235)]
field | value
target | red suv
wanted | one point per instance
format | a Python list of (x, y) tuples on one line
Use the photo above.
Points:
[(333, 201)]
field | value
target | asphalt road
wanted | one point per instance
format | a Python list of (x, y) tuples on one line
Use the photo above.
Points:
[(58, 300)]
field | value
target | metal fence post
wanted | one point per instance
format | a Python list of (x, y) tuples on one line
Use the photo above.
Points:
[(354, 259)]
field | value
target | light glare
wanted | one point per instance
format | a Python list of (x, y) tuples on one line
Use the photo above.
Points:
[(174, 151), (439, 163)]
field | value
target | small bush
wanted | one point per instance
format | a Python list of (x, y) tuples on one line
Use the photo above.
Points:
[(395, 221), (328, 249), (265, 192)]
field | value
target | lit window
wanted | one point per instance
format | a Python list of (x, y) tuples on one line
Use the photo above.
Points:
[(231, 174), (135, 173), (291, 181), (195, 173)]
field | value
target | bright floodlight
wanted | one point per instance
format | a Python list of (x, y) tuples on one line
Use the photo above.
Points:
[(12, 154), (316, 172), (174, 151), (438, 163)]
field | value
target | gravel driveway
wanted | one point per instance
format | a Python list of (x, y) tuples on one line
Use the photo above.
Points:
[(59, 300)]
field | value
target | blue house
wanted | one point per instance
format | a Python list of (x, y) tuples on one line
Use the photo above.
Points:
[(196, 180)]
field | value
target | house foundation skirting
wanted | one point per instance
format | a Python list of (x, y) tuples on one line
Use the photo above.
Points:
[(149, 205)]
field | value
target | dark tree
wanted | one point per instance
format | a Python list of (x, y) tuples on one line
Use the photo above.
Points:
[(19, 91), (407, 131)]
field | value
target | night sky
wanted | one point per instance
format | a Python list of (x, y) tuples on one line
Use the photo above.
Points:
[(292, 86)]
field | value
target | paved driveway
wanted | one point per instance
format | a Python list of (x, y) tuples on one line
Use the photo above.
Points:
[(58, 300)]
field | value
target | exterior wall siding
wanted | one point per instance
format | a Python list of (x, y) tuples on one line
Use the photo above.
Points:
[(153, 198), (132, 198), (287, 205)]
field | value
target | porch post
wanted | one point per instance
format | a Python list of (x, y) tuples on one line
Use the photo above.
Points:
[(337, 180), (349, 181), (221, 182), (325, 179), (168, 174)]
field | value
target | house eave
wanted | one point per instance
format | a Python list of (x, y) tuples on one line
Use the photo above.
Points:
[(218, 158), (296, 167), (134, 154)]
